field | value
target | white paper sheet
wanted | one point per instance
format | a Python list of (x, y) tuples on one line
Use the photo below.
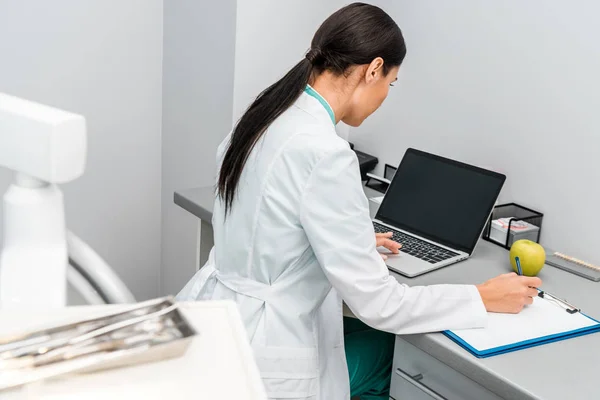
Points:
[(542, 318)]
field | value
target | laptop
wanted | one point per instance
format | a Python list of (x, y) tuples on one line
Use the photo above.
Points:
[(437, 209)]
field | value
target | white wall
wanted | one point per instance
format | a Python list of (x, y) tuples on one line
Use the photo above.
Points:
[(101, 59), (199, 50), (509, 85), (271, 37)]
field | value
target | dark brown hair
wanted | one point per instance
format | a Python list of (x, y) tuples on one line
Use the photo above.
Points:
[(353, 35)]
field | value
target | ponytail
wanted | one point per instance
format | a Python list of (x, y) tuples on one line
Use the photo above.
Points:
[(269, 105), (354, 35)]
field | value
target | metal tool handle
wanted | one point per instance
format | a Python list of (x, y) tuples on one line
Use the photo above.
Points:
[(33, 339), (415, 380), (62, 345)]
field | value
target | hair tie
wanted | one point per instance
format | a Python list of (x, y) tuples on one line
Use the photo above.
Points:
[(313, 55)]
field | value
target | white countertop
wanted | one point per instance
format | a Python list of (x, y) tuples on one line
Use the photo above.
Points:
[(218, 364)]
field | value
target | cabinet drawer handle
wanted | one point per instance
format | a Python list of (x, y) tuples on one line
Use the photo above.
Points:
[(415, 380)]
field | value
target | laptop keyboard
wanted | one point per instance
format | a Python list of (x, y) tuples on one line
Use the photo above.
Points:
[(416, 247)]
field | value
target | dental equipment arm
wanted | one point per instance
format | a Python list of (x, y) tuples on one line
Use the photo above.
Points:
[(46, 146), (87, 263), (43, 146)]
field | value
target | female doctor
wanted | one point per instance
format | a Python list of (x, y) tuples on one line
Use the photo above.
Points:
[(293, 236)]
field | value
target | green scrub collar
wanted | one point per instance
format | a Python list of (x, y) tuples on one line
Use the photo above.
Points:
[(312, 92)]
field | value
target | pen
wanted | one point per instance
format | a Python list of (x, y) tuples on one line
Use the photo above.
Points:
[(518, 265)]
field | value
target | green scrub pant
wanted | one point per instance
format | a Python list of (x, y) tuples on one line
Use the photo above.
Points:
[(369, 354)]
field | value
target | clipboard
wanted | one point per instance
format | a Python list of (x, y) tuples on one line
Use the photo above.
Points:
[(549, 319)]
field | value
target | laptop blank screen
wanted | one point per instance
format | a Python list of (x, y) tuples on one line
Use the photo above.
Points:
[(440, 199)]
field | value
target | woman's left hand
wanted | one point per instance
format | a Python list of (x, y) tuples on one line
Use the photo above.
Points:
[(383, 240)]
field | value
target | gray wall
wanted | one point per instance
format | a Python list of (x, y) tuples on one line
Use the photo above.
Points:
[(271, 37), (101, 59), (199, 49), (508, 85)]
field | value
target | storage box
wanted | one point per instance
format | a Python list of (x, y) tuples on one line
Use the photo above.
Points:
[(511, 222), (518, 230)]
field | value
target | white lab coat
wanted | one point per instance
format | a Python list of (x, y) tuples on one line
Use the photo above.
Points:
[(297, 242)]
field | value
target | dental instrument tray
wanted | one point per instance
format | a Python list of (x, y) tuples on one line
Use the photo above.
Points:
[(145, 332)]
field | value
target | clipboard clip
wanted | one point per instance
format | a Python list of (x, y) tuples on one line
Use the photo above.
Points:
[(570, 308)]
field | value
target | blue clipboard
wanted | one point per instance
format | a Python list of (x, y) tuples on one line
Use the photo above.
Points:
[(473, 340)]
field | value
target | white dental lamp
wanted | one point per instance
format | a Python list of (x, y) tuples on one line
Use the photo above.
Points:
[(45, 147)]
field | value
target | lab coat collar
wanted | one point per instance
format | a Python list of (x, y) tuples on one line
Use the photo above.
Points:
[(313, 106), (313, 93)]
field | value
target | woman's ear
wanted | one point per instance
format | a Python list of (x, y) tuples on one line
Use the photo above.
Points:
[(374, 70)]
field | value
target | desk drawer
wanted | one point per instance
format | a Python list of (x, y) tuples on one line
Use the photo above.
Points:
[(418, 376)]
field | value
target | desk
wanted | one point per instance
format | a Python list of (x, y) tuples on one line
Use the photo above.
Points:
[(200, 202), (556, 371)]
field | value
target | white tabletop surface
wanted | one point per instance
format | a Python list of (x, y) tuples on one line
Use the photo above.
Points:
[(218, 364)]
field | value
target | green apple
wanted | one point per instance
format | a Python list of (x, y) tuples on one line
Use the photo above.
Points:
[(532, 257)]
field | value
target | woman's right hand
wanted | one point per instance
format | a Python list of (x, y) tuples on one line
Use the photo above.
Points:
[(508, 293)]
